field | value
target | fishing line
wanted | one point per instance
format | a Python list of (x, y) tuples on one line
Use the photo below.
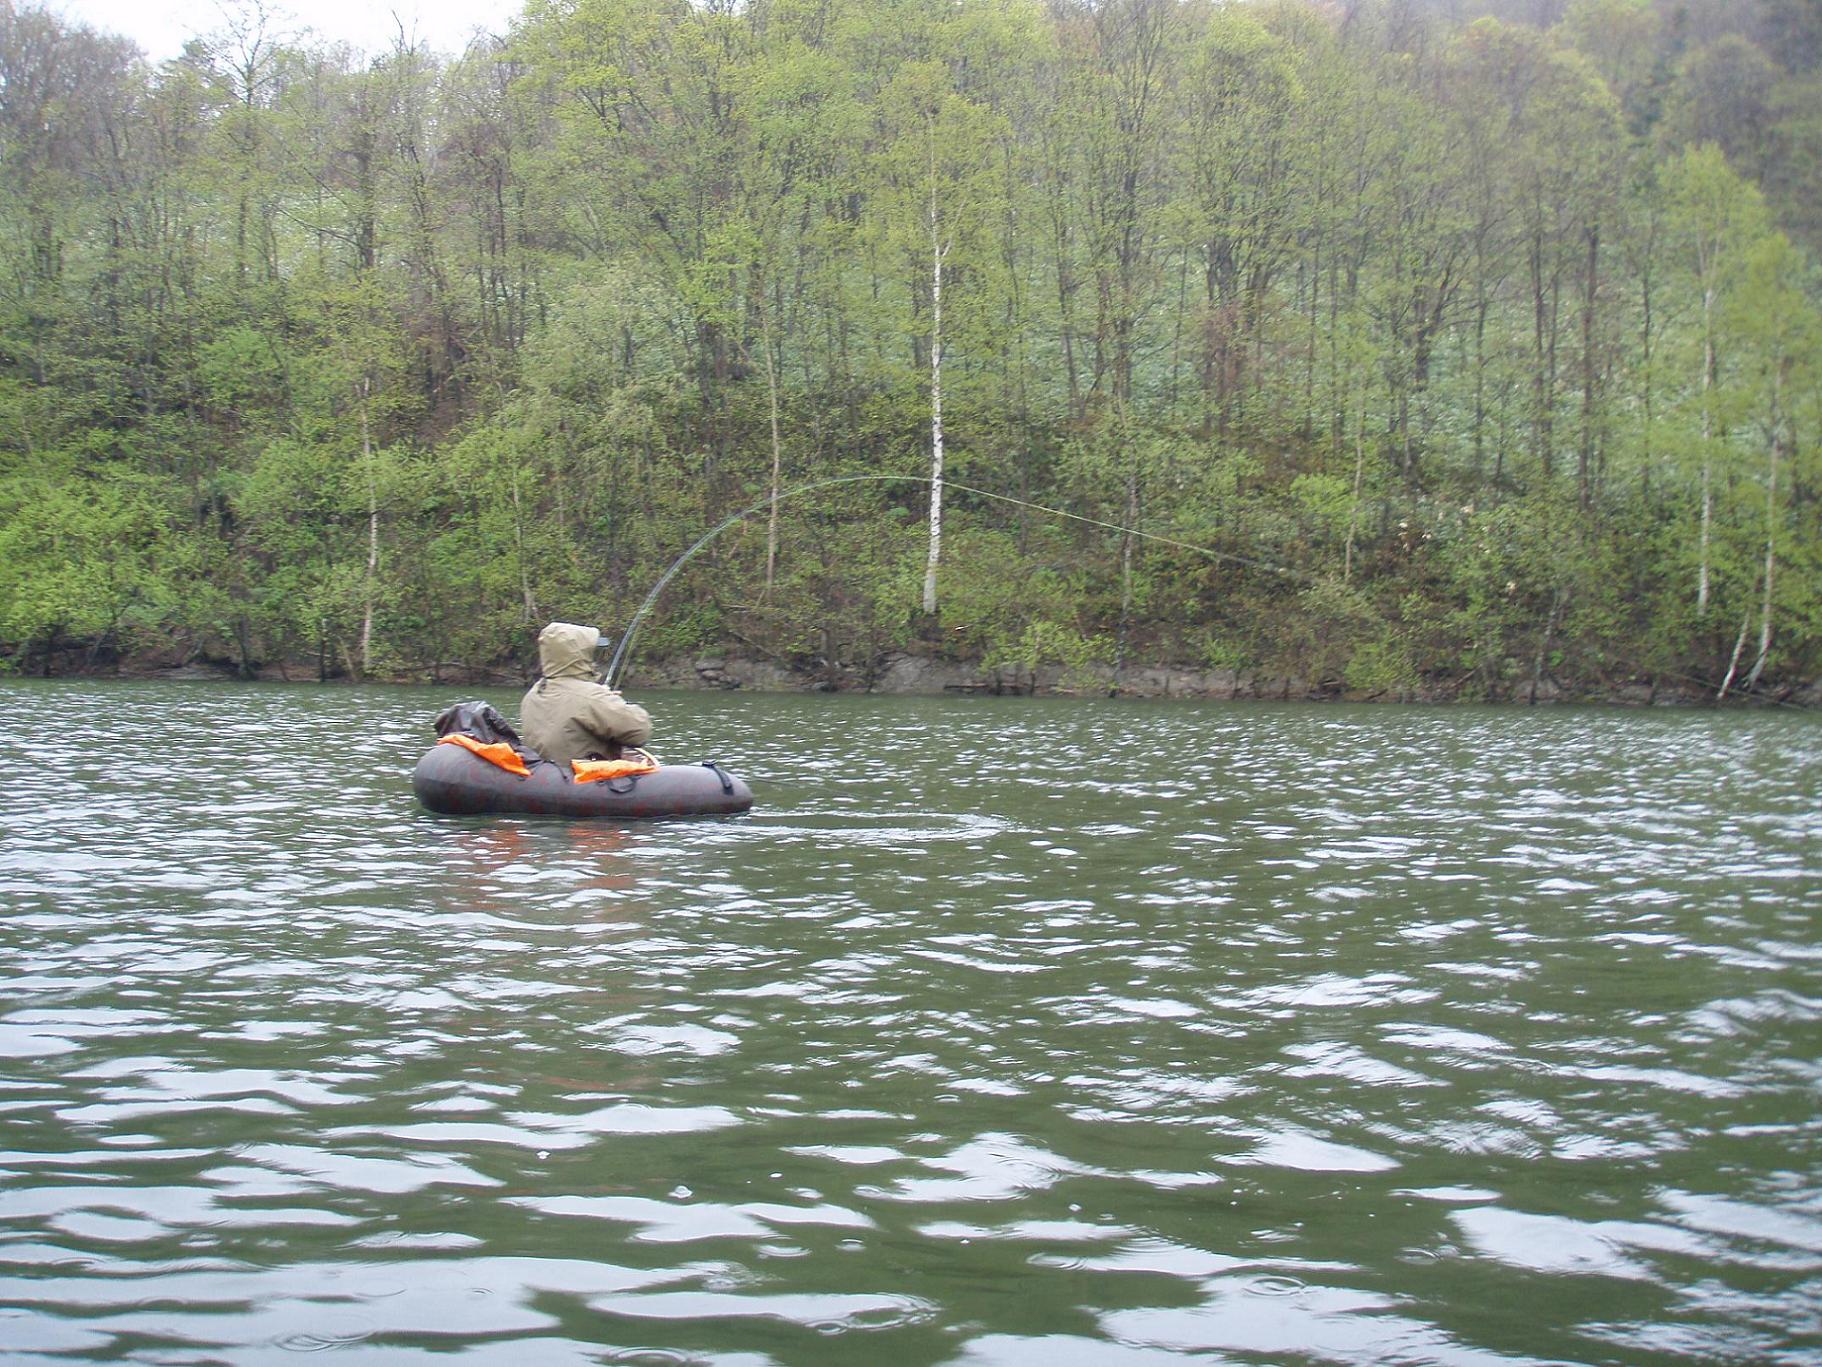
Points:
[(623, 650)]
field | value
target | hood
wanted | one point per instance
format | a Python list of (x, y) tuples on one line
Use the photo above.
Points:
[(567, 651)]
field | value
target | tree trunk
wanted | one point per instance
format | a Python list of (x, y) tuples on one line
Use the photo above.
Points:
[(1701, 579), (1347, 563), (1126, 545), (1541, 397), (771, 382), (1480, 383), (373, 534), (518, 536), (1771, 533), (1557, 604), (936, 394), (243, 646), (1590, 288), (1739, 645), (1645, 387)]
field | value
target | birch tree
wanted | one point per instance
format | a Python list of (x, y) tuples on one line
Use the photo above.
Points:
[(936, 198), (1780, 332), (1718, 216)]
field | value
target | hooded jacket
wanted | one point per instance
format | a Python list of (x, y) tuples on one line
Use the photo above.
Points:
[(566, 715)]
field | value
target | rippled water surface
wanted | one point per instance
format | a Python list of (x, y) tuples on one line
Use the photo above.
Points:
[(1001, 1031)]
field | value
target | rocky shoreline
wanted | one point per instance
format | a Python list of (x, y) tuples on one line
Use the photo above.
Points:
[(918, 675), (908, 674)]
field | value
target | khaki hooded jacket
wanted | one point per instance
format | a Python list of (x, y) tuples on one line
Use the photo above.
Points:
[(566, 714)]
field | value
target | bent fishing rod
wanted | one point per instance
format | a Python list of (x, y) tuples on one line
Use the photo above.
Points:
[(624, 650)]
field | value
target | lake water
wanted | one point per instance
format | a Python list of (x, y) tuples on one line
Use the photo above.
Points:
[(1001, 1031)]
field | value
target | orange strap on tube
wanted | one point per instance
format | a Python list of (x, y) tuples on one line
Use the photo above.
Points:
[(499, 753), (595, 770)]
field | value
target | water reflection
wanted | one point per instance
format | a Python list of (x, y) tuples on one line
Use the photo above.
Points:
[(1001, 1032)]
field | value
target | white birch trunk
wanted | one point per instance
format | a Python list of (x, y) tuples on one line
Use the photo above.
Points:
[(936, 395), (373, 535), (1733, 665), (1701, 580), (1771, 534)]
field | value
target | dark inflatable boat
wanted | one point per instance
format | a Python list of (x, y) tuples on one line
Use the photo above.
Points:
[(481, 766), (456, 781)]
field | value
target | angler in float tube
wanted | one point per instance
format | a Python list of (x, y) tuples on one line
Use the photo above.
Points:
[(566, 714)]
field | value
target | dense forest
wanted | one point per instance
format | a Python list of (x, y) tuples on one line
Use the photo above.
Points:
[(1432, 347)]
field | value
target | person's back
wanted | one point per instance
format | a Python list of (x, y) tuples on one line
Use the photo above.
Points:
[(566, 715)]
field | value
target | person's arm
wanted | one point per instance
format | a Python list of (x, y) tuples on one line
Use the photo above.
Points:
[(613, 718)]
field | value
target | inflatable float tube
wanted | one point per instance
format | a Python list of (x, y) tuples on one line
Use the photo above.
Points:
[(455, 782)]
